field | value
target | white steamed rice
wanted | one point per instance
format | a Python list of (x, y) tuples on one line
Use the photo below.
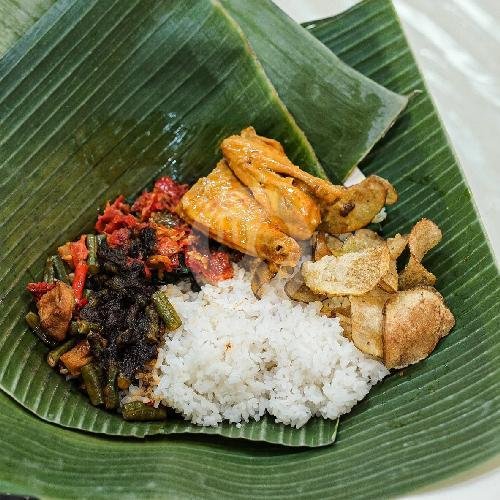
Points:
[(237, 357)]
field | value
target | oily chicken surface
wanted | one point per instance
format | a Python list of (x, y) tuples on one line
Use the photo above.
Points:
[(221, 207), (297, 200), (251, 151), (258, 163), (257, 201)]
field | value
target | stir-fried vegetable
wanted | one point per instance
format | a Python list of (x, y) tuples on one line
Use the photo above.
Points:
[(111, 398), (34, 323), (54, 355), (92, 262), (166, 311), (48, 273), (90, 375), (140, 411), (81, 270), (60, 270), (81, 327), (154, 324)]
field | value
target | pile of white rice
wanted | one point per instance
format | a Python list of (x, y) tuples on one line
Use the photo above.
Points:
[(237, 357)]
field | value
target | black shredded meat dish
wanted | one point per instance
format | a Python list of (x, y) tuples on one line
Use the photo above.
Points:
[(121, 295)]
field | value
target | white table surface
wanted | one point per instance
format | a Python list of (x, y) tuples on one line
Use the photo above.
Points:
[(457, 46)]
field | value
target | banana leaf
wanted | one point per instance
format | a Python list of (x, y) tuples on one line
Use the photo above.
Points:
[(321, 92), (421, 425), (99, 122), (16, 17), (310, 79)]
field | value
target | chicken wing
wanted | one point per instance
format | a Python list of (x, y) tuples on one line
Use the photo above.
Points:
[(253, 160), (289, 208), (343, 209), (257, 151), (221, 207)]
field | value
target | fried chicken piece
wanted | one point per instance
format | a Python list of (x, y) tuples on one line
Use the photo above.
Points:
[(288, 207), (268, 153), (221, 207), (254, 160), (262, 275)]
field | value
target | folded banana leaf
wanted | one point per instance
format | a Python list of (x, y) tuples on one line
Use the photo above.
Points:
[(420, 426), (344, 112), (99, 100), (321, 92)]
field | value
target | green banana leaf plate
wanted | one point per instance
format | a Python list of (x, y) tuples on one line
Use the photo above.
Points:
[(99, 98)]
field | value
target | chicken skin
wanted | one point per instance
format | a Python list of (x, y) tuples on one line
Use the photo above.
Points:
[(221, 207), (252, 150), (258, 202), (255, 161)]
